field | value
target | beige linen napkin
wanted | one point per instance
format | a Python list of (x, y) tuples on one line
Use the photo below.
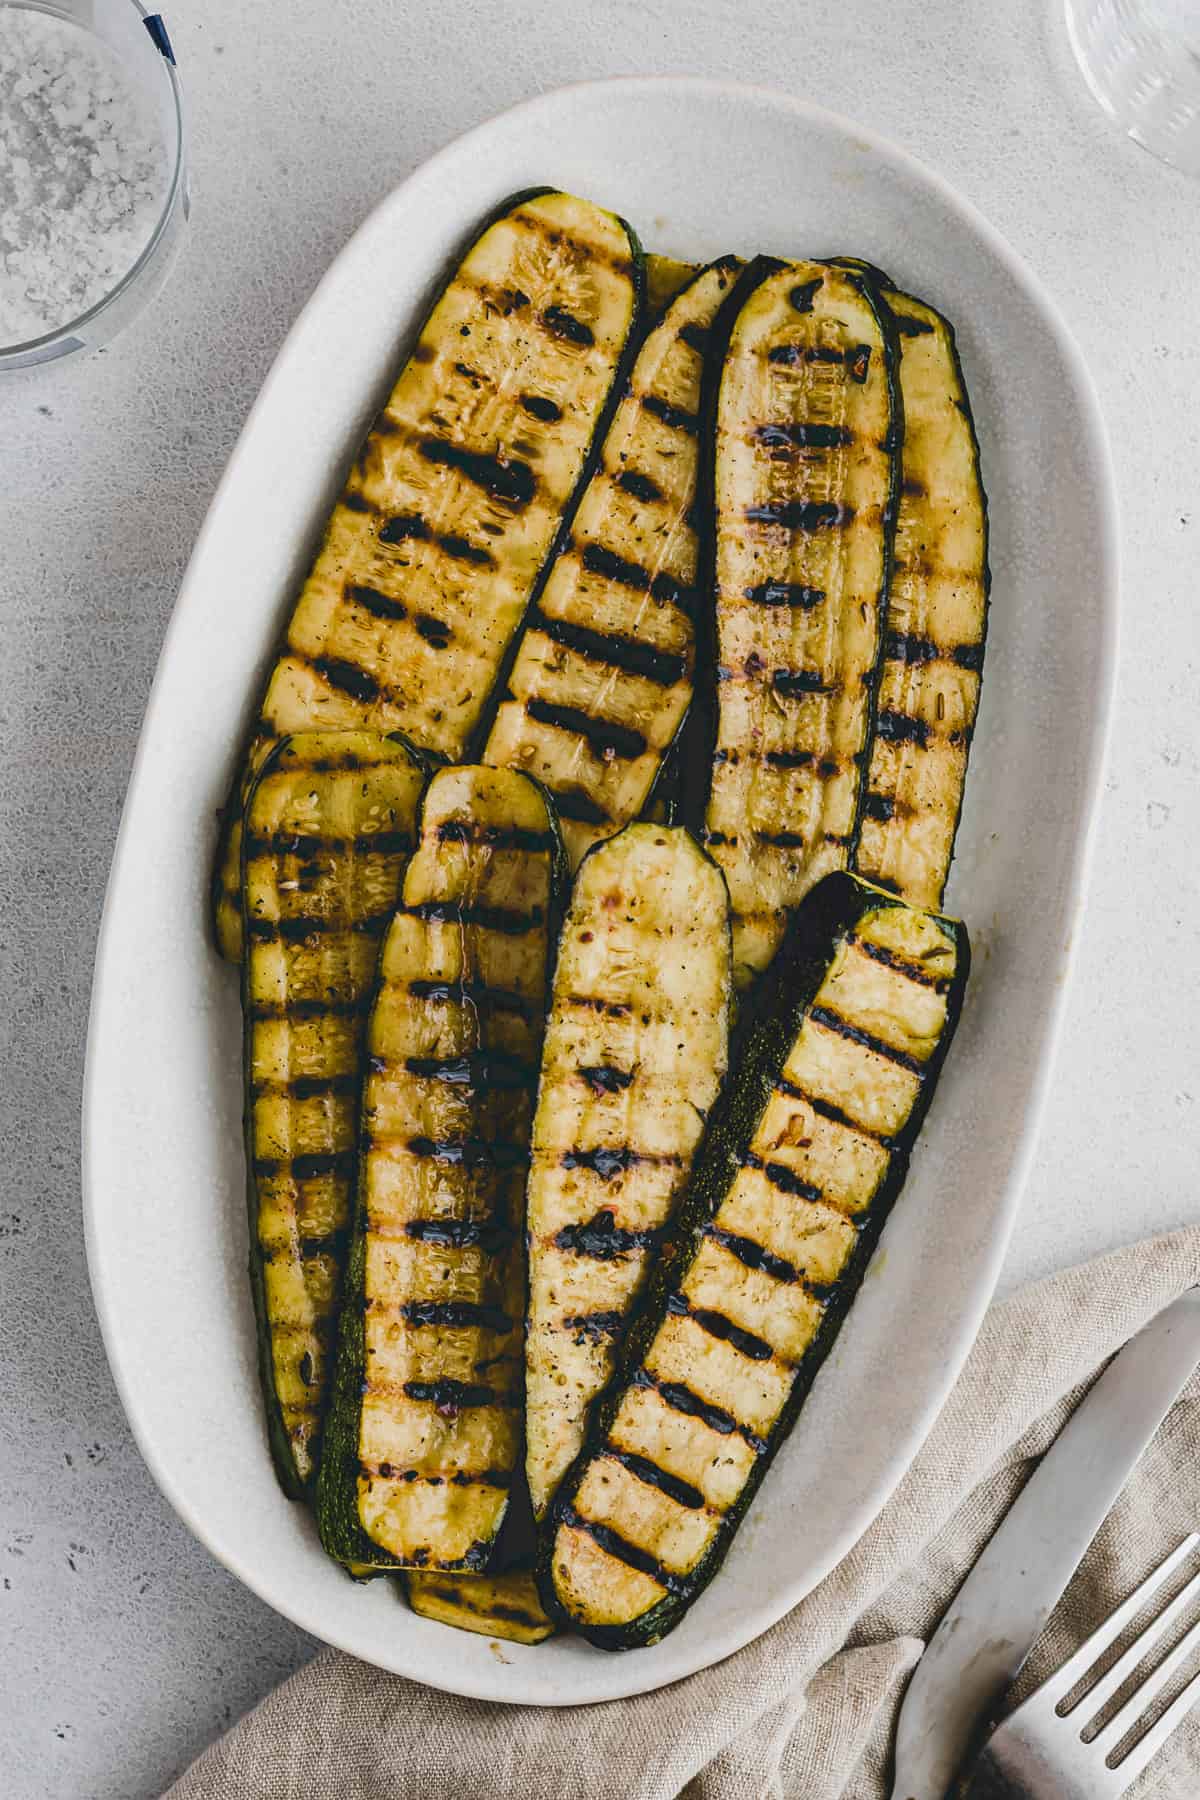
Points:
[(806, 1712)]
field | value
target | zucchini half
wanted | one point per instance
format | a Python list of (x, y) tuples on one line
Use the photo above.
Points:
[(329, 824), (457, 500), (424, 1434), (603, 670), (806, 423), (936, 620), (635, 1051), (501, 1606), (804, 1154)]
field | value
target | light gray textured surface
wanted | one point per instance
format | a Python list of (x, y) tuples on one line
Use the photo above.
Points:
[(124, 1647)]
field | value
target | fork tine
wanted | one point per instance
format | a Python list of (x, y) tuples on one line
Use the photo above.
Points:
[(1098, 1696), (1058, 1686), (1145, 1696), (1131, 1766)]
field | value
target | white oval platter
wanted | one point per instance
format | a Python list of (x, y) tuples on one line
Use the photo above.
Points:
[(699, 168)]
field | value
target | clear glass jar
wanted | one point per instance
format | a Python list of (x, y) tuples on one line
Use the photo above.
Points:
[(1141, 59), (139, 41)]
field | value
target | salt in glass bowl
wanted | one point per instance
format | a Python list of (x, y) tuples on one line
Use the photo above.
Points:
[(140, 43)]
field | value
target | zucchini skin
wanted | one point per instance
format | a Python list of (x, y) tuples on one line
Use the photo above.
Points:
[(467, 810), (294, 1485), (664, 802), (361, 700), (316, 755), (776, 1011), (701, 747), (898, 808)]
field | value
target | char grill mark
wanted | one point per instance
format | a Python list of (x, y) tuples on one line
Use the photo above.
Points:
[(753, 1255), (620, 1547), (900, 728), (603, 1240), (539, 407), (682, 1492), (603, 1078), (505, 920), (477, 1070), (303, 928), (910, 970), (455, 1315), (630, 655), (605, 736), (639, 486), (717, 1325), (782, 439), (477, 994), (470, 1153), (563, 324), (793, 684), (681, 1399), (832, 1021), (510, 482), (785, 593), (780, 1176), (496, 837), (673, 416), (489, 1235), (800, 515)]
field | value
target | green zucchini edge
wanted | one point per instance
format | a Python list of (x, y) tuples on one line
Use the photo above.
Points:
[(777, 1008), (334, 1497)]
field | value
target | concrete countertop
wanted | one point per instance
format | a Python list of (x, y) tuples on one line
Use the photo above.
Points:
[(124, 1646)]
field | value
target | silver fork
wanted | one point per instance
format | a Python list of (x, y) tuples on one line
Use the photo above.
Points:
[(1038, 1752)]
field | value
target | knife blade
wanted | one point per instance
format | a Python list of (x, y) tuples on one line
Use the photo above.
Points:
[(999, 1611)]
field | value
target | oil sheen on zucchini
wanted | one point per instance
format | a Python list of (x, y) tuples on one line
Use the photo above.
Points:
[(803, 1157), (635, 1052), (424, 1434), (452, 510), (936, 621), (329, 824), (806, 425), (501, 1606), (603, 672)]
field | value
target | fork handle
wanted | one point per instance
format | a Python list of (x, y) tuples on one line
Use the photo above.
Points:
[(987, 1780)]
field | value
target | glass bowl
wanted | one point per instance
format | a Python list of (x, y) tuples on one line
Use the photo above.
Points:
[(1141, 60), (140, 43)]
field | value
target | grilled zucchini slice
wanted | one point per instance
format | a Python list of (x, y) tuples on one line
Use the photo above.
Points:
[(635, 1052), (424, 1433), (802, 1159), (603, 673), (665, 275), (936, 620), (453, 508), (501, 1606), (329, 823), (805, 428)]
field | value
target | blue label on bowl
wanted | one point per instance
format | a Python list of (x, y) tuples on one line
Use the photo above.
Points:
[(158, 31)]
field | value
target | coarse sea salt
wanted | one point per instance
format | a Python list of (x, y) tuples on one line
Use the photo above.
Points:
[(83, 173)]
